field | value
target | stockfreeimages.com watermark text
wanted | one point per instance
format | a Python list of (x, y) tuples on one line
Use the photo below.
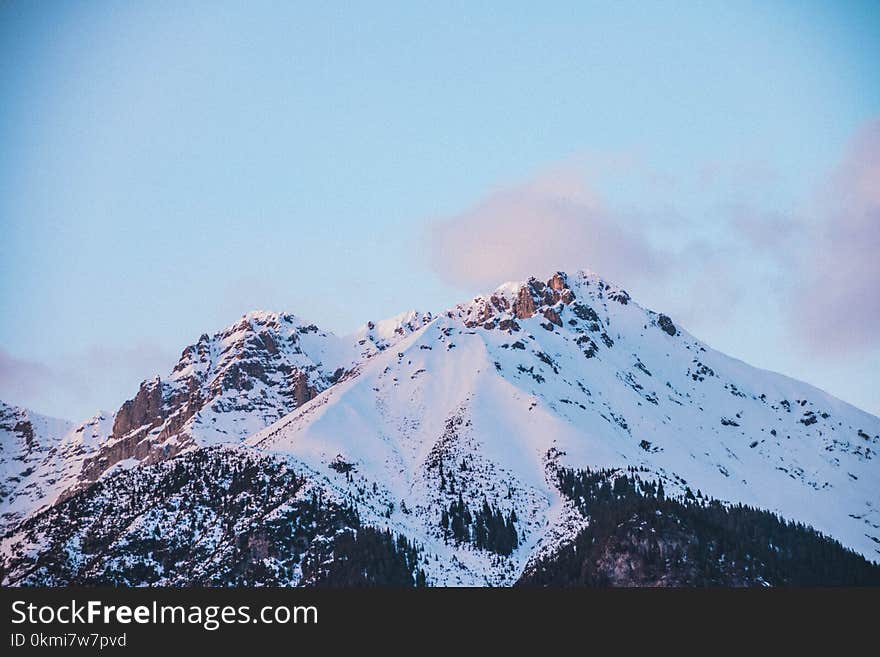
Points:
[(209, 617)]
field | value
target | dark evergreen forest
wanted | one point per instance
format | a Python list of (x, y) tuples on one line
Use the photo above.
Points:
[(637, 536)]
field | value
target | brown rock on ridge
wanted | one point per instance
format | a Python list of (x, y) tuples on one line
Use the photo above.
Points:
[(532, 297), (553, 316), (559, 281), (302, 391), (524, 306), (133, 429), (144, 409)]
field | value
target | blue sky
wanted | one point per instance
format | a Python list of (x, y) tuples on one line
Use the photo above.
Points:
[(168, 166)]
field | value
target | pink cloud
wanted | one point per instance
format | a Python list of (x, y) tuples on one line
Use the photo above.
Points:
[(553, 221), (822, 256), (837, 302)]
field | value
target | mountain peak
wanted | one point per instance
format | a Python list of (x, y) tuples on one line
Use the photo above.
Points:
[(557, 279), (547, 297), (375, 336)]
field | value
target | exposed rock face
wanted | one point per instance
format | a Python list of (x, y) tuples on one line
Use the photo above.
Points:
[(555, 300), (558, 282), (223, 388), (17, 447), (524, 306), (551, 315), (134, 429), (302, 391), (509, 303), (666, 324), (144, 410)]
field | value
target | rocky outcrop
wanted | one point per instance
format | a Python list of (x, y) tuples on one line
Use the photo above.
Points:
[(558, 282), (300, 388), (502, 309), (16, 421), (16, 448), (524, 306), (666, 325), (552, 316), (144, 410), (143, 425), (223, 387)]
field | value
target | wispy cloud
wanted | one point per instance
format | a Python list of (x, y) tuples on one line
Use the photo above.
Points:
[(555, 220), (30, 382), (560, 219), (837, 297), (101, 377), (809, 270)]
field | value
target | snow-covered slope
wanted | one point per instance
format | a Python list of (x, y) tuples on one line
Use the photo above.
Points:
[(210, 517), (27, 440), (374, 337), (488, 399)]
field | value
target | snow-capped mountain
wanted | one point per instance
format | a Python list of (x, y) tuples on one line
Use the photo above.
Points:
[(455, 430), (224, 388), (570, 372)]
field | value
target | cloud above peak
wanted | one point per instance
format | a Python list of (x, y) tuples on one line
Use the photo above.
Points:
[(742, 266), (555, 220)]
